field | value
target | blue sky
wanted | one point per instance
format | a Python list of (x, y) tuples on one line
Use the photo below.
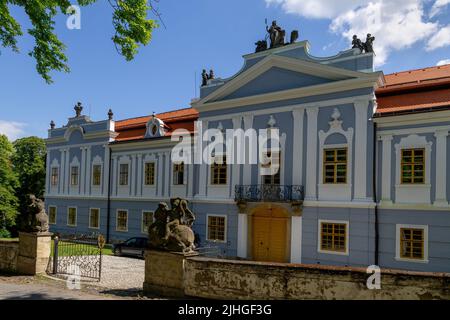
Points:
[(202, 34)]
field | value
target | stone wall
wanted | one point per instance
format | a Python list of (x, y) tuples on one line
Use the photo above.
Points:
[(227, 279), (9, 251)]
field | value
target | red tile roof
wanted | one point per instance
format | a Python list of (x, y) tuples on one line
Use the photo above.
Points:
[(134, 129), (415, 90)]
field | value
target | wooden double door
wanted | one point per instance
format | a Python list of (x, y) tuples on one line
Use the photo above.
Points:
[(270, 236)]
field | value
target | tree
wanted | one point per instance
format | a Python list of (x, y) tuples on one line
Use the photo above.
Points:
[(29, 166), (129, 19), (8, 185)]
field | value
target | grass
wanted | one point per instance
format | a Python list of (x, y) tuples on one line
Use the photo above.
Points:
[(9, 239), (71, 249)]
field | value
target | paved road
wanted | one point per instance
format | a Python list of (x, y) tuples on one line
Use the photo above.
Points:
[(31, 291)]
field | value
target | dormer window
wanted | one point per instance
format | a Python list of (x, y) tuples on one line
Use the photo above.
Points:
[(155, 128)]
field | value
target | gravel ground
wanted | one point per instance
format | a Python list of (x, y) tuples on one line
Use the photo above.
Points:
[(122, 273)]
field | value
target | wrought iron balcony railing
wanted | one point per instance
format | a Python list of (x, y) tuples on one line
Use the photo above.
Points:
[(269, 193)]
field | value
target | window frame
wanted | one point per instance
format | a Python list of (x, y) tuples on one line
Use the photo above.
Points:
[(225, 228), (223, 166), (56, 215), (145, 231), (347, 237), (117, 220), (274, 176), (93, 175), (52, 184), (98, 218), (72, 184), (335, 163), (412, 164), (127, 175), (154, 174), (178, 165), (398, 256), (76, 216)]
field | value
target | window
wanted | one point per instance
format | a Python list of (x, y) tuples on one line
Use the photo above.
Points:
[(412, 243), (149, 173), (122, 220), (216, 228), (55, 176), (147, 220), (52, 215), (413, 166), (271, 162), (96, 175), (72, 217), (178, 173), (94, 219), (335, 166), (123, 181), (74, 176), (333, 237), (219, 171)]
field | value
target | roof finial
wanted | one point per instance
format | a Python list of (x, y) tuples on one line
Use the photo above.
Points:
[(78, 108), (110, 114)]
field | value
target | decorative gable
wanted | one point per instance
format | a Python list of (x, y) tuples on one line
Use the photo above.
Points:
[(155, 128)]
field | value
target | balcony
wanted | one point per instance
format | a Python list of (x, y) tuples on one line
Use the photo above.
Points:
[(269, 193)]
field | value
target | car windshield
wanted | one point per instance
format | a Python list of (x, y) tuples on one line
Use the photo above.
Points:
[(131, 242)]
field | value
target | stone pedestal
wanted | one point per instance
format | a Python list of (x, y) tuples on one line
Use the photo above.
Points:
[(164, 272), (34, 252)]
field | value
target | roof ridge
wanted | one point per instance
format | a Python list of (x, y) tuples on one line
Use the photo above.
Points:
[(418, 69), (158, 114)]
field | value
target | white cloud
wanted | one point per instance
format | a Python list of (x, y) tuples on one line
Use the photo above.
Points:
[(440, 39), (13, 130), (438, 6), (396, 24), (443, 62)]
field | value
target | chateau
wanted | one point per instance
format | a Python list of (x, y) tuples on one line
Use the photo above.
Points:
[(363, 165)]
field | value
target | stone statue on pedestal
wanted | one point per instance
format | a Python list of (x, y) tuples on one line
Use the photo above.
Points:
[(37, 218), (276, 35), (172, 229)]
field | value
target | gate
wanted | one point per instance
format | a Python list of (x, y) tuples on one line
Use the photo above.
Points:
[(77, 255)]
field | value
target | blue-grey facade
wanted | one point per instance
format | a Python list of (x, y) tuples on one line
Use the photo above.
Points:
[(317, 104)]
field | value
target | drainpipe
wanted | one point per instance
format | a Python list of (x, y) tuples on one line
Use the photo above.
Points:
[(374, 181), (108, 219)]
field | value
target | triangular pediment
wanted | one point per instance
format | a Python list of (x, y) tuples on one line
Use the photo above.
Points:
[(277, 79), (277, 74)]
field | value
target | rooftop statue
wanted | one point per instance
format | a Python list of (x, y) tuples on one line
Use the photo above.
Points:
[(172, 229), (78, 109), (206, 77), (276, 35), (366, 47)]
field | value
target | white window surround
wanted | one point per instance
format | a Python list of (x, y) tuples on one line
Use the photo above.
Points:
[(413, 193), (76, 216), (55, 164), (124, 189), (74, 189), (178, 186), (225, 227), (147, 160), (117, 219), (97, 162), (142, 220), (56, 214), (347, 237), (98, 222), (282, 160), (425, 242), (342, 191)]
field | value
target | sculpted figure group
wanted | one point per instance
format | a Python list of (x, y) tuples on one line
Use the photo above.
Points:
[(172, 229), (363, 46)]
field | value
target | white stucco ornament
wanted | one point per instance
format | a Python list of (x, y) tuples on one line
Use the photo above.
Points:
[(272, 122), (336, 123), (155, 128)]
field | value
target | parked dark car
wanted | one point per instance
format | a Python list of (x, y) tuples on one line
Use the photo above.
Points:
[(132, 247)]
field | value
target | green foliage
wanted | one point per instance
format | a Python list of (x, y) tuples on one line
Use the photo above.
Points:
[(132, 26), (29, 166), (8, 185), (4, 234)]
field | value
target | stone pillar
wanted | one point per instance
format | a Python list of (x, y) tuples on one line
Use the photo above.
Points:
[(164, 272), (169, 176), (247, 175), (49, 173), (386, 179), (106, 171), (133, 175), (297, 156), (88, 165), (235, 167), (242, 235), (34, 252), (441, 168), (296, 239), (61, 172), (67, 173), (203, 167), (140, 175), (360, 176), (311, 154), (159, 179), (82, 171)]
